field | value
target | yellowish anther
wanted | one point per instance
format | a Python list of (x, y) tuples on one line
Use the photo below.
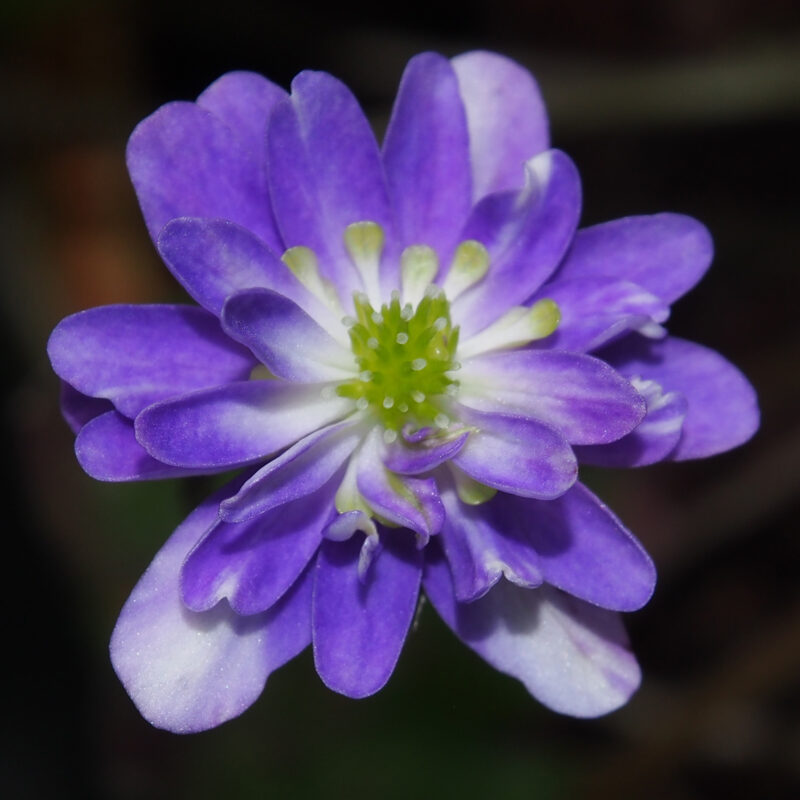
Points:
[(418, 267), (302, 261), (469, 490), (364, 242), (470, 263), (517, 327), (260, 373)]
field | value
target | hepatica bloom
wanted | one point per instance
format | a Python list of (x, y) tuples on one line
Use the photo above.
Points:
[(406, 350)]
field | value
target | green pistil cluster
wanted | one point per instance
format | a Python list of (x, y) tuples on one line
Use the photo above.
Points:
[(404, 355)]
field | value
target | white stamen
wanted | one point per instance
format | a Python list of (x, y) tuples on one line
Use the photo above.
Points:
[(362, 404), (439, 323), (407, 312), (388, 402), (401, 338), (376, 318), (365, 375), (372, 343), (348, 321), (402, 407), (470, 263), (441, 421), (389, 436), (418, 364), (417, 396)]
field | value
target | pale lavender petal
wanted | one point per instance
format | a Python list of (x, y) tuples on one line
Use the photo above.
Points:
[(409, 502), (235, 424), (667, 254), (580, 396), (214, 258), (185, 162), (325, 173), (477, 551), (517, 455), (722, 405), (296, 472), (252, 564), (654, 438), (572, 656), (286, 338), (426, 155), (595, 311), (359, 626), (78, 409), (506, 118), (107, 449), (526, 234), (135, 355), (411, 458), (188, 672)]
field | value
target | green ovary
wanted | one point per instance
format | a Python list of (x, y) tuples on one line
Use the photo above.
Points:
[(403, 355)]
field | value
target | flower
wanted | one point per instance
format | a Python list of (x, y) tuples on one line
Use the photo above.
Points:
[(406, 350)]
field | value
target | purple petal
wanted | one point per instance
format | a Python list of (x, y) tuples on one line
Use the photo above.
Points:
[(78, 409), (595, 311), (517, 455), (188, 672), (137, 355), (297, 472), (235, 424), (253, 564), (506, 118), (479, 554), (526, 234), (722, 405), (654, 438), (359, 626), (185, 162), (665, 253), (214, 258), (325, 173), (409, 502), (410, 458), (580, 396), (107, 449), (285, 338), (572, 656), (426, 154)]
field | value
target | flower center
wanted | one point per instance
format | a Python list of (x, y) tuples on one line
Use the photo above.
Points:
[(404, 355)]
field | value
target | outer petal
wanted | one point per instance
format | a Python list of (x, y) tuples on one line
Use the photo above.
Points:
[(188, 672), (722, 405), (252, 564), (325, 172), (516, 455), (78, 409), (107, 449), (665, 253), (235, 424), (526, 234), (137, 355), (596, 311), (580, 396), (571, 656), (506, 118), (285, 338), (411, 458), (185, 162), (359, 627), (426, 154)]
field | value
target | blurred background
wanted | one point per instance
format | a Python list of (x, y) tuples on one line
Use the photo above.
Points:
[(690, 106)]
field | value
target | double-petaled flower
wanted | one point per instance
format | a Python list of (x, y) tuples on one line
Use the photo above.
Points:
[(406, 350)]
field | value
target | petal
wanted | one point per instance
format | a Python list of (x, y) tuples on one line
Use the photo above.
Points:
[(517, 455), (297, 472), (571, 656), (665, 253), (411, 458), (137, 355), (506, 118), (185, 162), (253, 564), (325, 173), (722, 405), (188, 672), (426, 155), (409, 502), (78, 409), (107, 450), (654, 438), (359, 626), (285, 338), (526, 234), (595, 311), (235, 424), (580, 396)]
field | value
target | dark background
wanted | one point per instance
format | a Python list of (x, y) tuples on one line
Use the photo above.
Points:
[(690, 106)]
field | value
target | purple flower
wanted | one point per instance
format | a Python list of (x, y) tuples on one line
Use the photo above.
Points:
[(406, 350)]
